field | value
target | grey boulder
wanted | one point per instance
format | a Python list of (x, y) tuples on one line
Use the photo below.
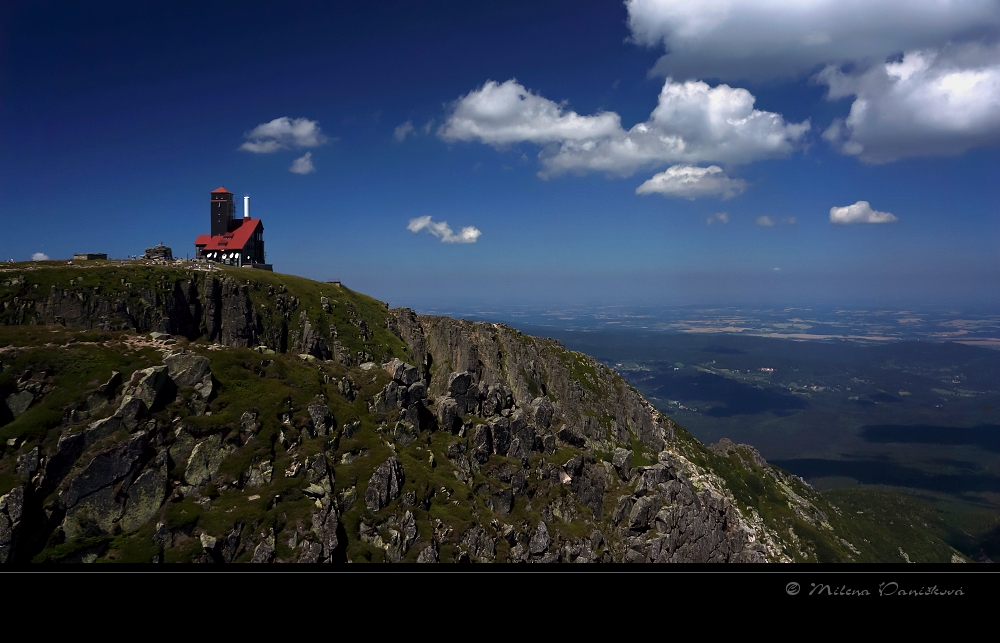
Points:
[(385, 485), (205, 459), (540, 540)]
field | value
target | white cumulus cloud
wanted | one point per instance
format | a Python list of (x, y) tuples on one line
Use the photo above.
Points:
[(39, 256), (860, 212), (930, 103), (443, 231), (503, 113), (721, 217), (692, 123), (770, 222), (735, 39), (303, 164), (283, 133), (692, 182), (402, 131)]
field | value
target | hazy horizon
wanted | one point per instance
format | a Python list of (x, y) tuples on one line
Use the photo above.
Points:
[(454, 154)]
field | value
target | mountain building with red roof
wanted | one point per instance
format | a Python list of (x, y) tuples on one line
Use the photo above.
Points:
[(233, 241)]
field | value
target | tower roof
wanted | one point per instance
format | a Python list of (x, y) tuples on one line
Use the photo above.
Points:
[(221, 190)]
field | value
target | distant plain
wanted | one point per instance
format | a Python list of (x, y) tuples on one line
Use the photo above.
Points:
[(842, 398)]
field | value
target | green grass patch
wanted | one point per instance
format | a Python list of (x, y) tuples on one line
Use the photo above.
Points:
[(73, 372), (136, 547), (582, 370), (640, 453), (880, 521), (183, 513), (8, 477), (69, 551)]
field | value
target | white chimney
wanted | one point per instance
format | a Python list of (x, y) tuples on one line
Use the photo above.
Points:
[(246, 207)]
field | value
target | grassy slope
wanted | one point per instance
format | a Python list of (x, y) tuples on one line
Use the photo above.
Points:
[(875, 523)]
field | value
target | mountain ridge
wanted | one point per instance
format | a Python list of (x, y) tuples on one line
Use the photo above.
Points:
[(265, 417)]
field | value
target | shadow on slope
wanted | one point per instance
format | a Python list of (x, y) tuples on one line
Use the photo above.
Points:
[(727, 396), (878, 472), (984, 436)]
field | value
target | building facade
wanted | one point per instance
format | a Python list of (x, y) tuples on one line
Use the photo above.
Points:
[(233, 241)]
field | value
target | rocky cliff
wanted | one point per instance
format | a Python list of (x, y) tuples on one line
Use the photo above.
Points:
[(534, 396), (169, 414), (193, 302)]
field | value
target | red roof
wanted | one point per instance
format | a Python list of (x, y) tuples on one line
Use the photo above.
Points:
[(231, 241), (221, 190)]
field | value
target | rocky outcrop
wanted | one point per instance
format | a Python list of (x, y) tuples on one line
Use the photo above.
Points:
[(219, 309), (19, 402), (11, 512), (429, 554), (190, 369), (229, 314), (176, 308), (401, 372), (404, 398), (264, 552), (159, 252), (145, 495), (205, 458), (223, 308), (588, 482), (478, 545), (325, 518), (385, 485), (487, 368), (534, 393), (540, 540), (30, 388), (148, 385), (744, 452), (622, 462), (321, 419), (103, 493), (405, 324), (104, 469), (309, 341), (667, 518)]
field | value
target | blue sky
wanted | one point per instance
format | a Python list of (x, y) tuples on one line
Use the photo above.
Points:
[(783, 153)]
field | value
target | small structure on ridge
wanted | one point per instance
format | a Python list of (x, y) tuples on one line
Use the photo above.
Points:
[(232, 241), (159, 252)]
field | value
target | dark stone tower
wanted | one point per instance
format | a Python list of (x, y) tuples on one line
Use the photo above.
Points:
[(223, 210)]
